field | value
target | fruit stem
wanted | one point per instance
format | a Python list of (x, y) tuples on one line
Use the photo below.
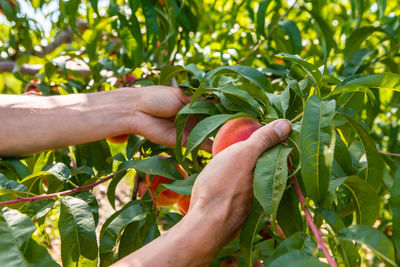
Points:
[(317, 233), (64, 193), (151, 194), (297, 117)]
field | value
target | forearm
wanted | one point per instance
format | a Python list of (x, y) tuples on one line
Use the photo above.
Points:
[(31, 124)]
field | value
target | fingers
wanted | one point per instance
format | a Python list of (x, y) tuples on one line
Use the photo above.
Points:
[(269, 136)]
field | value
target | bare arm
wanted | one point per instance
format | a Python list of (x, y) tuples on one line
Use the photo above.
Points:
[(220, 204), (31, 124)]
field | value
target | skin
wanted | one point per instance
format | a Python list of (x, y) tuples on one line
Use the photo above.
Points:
[(221, 196), (34, 122), (220, 204)]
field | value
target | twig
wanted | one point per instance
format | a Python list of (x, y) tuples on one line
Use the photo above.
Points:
[(153, 198), (297, 117), (388, 52), (177, 47), (62, 38), (135, 186), (317, 233), (390, 154), (68, 192)]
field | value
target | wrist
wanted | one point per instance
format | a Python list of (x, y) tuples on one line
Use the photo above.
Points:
[(200, 236), (124, 109)]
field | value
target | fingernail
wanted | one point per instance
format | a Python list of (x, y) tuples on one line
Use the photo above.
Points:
[(282, 128)]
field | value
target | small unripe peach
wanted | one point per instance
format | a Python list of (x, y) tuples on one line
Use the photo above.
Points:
[(234, 131), (183, 205), (119, 139), (167, 197), (130, 77)]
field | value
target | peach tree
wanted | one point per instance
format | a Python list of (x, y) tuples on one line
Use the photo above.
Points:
[(328, 195)]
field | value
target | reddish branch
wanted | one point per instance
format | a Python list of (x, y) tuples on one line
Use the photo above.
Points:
[(64, 193), (317, 233)]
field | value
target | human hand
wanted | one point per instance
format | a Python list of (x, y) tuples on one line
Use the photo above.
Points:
[(224, 189), (155, 111), (220, 204)]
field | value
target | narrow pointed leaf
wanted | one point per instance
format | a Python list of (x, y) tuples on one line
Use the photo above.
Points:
[(77, 232), (270, 176), (317, 144)]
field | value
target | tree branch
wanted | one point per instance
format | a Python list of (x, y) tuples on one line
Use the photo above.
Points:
[(317, 233), (62, 38), (64, 193), (32, 69)]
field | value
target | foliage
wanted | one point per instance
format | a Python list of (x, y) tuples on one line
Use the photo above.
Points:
[(330, 66)]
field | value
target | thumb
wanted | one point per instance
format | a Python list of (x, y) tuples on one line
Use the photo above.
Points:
[(269, 136)]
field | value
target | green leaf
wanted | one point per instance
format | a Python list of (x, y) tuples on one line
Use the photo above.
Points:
[(348, 89), (312, 71), (153, 166), (134, 144), (16, 166), (7, 185), (332, 218), (297, 258), (270, 176), (395, 207), (280, 101), (387, 81), (317, 143), (91, 200), (94, 4), (293, 33), (37, 209), (374, 170), (131, 37), (18, 247), (199, 107), (288, 214), (232, 89), (113, 227), (251, 74), (152, 29), (325, 34), (111, 188), (137, 234), (249, 232), (365, 199), (72, 10), (168, 72), (354, 41), (299, 241), (96, 154), (372, 238), (355, 61), (205, 127), (183, 187), (262, 8), (77, 232)]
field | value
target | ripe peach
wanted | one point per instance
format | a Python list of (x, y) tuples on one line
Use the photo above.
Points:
[(167, 197), (119, 139), (130, 77), (32, 89), (234, 131), (184, 204)]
